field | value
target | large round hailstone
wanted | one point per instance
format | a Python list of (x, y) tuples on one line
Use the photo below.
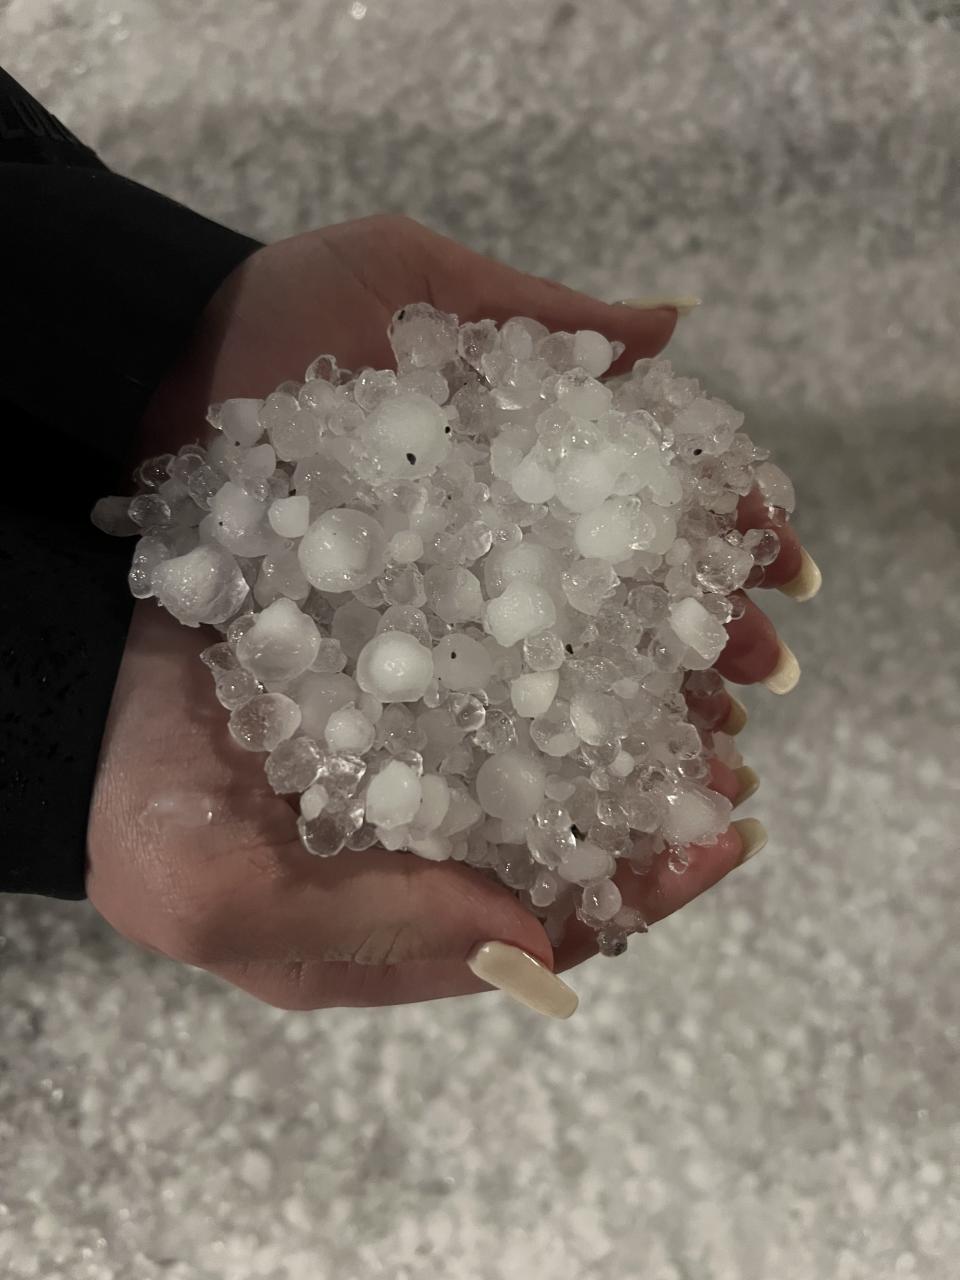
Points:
[(394, 667), (462, 663), (342, 550), (281, 644), (510, 785), (407, 436)]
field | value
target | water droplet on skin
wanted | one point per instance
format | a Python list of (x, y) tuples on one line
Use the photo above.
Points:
[(178, 809)]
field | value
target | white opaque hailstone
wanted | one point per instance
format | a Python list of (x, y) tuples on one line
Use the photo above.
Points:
[(393, 796), (349, 730), (462, 663), (584, 480), (289, 517), (405, 547), (523, 609), (586, 863), (342, 550), (239, 420), (698, 628), (407, 436), (454, 594), (319, 695), (596, 717), (510, 785), (695, 815), (281, 644), (237, 520), (395, 667), (592, 352), (203, 586), (434, 803), (533, 480), (532, 694), (613, 530)]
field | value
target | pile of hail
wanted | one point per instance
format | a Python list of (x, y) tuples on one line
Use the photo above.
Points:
[(461, 604)]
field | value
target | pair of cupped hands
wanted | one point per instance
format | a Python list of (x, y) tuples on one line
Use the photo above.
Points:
[(235, 893)]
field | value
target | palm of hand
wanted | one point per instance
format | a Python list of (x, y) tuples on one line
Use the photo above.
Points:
[(190, 852)]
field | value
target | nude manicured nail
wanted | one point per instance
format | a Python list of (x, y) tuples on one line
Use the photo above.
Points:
[(683, 305), (525, 979), (736, 717), (749, 784), (786, 673), (807, 582), (753, 837)]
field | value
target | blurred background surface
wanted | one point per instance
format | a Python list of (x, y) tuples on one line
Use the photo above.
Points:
[(767, 1085)]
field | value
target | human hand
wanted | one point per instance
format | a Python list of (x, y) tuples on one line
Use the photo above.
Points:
[(190, 852)]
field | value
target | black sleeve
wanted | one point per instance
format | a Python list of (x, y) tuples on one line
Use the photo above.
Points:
[(101, 281)]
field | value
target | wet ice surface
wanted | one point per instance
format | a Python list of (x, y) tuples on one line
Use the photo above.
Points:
[(768, 1086)]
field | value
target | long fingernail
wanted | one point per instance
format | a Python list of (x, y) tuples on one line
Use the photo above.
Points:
[(749, 784), (736, 717), (753, 837), (525, 979), (786, 673), (807, 582), (683, 306)]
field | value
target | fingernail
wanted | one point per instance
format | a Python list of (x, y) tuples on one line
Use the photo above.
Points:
[(736, 717), (753, 837), (807, 582), (786, 673), (682, 306), (525, 979), (749, 784)]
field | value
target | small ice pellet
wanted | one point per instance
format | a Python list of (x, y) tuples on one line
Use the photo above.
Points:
[(592, 352), (405, 547), (281, 644), (264, 722)]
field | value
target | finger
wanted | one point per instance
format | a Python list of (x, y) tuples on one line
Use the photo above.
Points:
[(712, 706), (753, 652), (479, 288), (753, 513)]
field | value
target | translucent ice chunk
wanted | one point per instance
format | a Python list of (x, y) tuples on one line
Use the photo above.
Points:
[(264, 722), (112, 515), (319, 695), (349, 730), (775, 485), (238, 521), (453, 594), (293, 765), (203, 586)]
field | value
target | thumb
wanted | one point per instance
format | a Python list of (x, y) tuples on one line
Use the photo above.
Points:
[(377, 928), (476, 288)]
